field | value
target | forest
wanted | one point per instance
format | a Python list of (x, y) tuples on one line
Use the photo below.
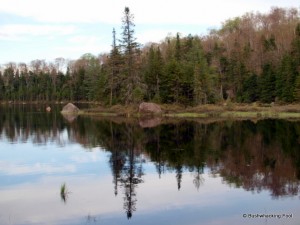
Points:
[(252, 58)]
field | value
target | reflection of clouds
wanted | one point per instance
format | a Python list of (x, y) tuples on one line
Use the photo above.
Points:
[(40, 203), (86, 158), (17, 169), (214, 203), (211, 193)]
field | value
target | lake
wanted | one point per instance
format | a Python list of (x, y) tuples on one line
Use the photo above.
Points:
[(84, 170)]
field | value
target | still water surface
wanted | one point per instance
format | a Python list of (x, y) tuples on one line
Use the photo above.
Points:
[(146, 172)]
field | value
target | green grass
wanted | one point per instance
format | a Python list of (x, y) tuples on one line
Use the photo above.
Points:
[(104, 114), (63, 192), (236, 114), (186, 115), (63, 189)]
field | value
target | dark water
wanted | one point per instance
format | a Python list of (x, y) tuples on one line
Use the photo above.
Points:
[(139, 172)]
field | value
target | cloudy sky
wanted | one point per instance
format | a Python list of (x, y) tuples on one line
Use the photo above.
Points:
[(47, 29)]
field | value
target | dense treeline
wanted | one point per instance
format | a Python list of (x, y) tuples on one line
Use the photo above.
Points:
[(251, 58)]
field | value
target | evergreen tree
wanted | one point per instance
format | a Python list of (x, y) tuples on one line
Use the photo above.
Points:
[(92, 74), (79, 90), (190, 53), (287, 78), (131, 84), (250, 89), (297, 89), (153, 74), (67, 92), (236, 73), (8, 77), (267, 84), (296, 60), (177, 48), (202, 82), (114, 79), (2, 88), (170, 85)]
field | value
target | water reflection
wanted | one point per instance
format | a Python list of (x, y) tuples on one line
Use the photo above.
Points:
[(127, 167), (21, 123), (255, 156)]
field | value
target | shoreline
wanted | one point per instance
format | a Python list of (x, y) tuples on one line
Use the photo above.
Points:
[(226, 111), (214, 111)]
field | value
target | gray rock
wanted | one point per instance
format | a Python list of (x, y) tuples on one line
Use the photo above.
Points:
[(70, 109), (146, 107)]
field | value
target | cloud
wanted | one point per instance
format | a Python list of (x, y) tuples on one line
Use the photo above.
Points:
[(146, 12), (83, 39), (88, 158), (78, 45), (210, 13), (64, 11), (18, 31), (155, 35)]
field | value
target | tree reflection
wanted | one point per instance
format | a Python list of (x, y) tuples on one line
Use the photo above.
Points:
[(19, 123), (179, 171), (127, 167), (91, 219), (198, 179), (117, 161), (130, 178)]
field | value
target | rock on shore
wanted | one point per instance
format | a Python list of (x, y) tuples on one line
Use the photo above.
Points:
[(146, 107), (70, 109)]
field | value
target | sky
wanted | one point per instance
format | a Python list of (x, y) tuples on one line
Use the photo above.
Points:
[(48, 29)]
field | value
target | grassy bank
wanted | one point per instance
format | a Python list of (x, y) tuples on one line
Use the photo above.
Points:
[(225, 110), (244, 111)]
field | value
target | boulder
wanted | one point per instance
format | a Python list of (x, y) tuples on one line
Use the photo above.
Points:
[(70, 109), (146, 107)]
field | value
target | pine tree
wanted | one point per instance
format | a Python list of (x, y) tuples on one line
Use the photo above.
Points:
[(114, 64), (177, 48), (153, 73), (295, 54), (2, 88), (8, 77), (92, 74), (267, 84), (288, 74), (250, 89), (202, 83), (170, 85), (132, 85), (297, 89)]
